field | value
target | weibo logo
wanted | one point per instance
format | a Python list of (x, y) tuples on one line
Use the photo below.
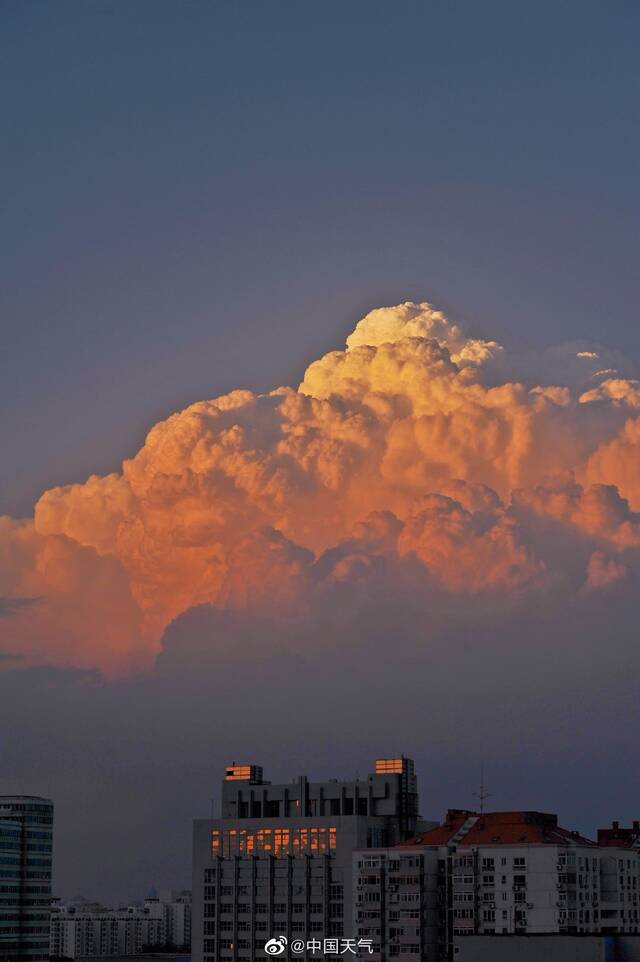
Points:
[(276, 946)]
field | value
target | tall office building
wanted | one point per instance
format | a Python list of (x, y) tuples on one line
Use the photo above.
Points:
[(26, 840), (278, 860)]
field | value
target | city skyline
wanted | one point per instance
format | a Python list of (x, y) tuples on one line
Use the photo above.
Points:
[(321, 397)]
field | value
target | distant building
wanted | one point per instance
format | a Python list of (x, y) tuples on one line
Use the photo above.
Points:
[(620, 837), (176, 904), (278, 860), (497, 873), (26, 842), (93, 931)]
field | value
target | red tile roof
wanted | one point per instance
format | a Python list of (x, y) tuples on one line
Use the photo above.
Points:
[(465, 828)]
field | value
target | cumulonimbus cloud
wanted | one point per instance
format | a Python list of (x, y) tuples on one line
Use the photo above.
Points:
[(416, 451)]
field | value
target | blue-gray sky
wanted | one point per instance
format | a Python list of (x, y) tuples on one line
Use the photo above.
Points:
[(203, 196), (197, 196)]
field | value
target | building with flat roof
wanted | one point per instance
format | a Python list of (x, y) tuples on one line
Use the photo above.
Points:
[(89, 930), (26, 842), (278, 860)]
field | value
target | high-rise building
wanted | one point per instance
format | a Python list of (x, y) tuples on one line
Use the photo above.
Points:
[(26, 842), (278, 860)]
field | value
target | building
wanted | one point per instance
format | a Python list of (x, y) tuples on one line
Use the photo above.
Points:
[(144, 957), (89, 930), (177, 916), (278, 860), (548, 948), (494, 873), (26, 842), (399, 902), (617, 837)]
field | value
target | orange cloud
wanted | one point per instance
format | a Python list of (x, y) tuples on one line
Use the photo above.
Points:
[(617, 461), (409, 445)]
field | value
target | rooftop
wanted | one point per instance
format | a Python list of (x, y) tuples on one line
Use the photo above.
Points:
[(465, 828), (620, 837)]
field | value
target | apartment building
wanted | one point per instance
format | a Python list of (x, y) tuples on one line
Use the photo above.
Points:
[(399, 902), (90, 930), (506, 873), (278, 860)]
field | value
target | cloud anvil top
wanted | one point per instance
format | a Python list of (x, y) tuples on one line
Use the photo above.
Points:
[(417, 455)]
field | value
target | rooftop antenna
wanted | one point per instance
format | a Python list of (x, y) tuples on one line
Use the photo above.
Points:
[(482, 795)]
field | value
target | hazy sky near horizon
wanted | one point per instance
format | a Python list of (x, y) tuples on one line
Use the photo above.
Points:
[(201, 197)]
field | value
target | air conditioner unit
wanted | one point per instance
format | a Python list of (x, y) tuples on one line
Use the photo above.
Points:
[(529, 905)]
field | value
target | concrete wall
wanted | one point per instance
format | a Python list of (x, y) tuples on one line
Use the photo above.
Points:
[(547, 948)]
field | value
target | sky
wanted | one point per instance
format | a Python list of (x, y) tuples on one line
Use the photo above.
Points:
[(436, 528)]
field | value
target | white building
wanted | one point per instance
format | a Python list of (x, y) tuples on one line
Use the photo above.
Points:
[(89, 929), (278, 860), (502, 873), (176, 905)]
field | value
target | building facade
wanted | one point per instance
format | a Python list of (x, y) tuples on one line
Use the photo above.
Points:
[(26, 844), (92, 931), (278, 860), (399, 903), (497, 873)]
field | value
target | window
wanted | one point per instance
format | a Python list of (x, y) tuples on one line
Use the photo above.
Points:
[(273, 841)]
